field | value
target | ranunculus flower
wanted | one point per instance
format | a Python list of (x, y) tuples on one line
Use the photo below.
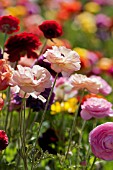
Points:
[(51, 29), (79, 81), (63, 60), (105, 87), (5, 74), (101, 141), (9, 24), (96, 107), (63, 90), (1, 103), (31, 81), (22, 44), (3, 140)]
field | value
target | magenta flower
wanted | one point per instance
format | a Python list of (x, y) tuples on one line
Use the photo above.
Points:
[(105, 88), (96, 107), (101, 141), (3, 140)]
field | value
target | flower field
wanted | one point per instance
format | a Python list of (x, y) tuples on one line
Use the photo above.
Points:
[(56, 85)]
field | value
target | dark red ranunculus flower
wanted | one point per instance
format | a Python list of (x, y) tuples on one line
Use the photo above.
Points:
[(51, 29), (9, 24), (22, 44), (3, 140)]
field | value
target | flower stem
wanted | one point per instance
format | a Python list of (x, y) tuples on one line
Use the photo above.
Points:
[(79, 142), (23, 132), (73, 125), (41, 51), (89, 150), (93, 163), (7, 103), (42, 119), (5, 36)]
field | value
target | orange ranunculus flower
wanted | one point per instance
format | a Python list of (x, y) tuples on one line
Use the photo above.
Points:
[(5, 74)]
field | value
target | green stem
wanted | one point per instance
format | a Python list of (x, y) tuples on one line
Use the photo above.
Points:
[(79, 142), (5, 36), (41, 51), (22, 132), (7, 103), (88, 151), (73, 125), (42, 119), (24, 138), (93, 163)]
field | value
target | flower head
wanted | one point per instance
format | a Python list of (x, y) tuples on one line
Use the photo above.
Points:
[(3, 140), (105, 87), (1, 103), (101, 141), (5, 74), (9, 24), (63, 90), (19, 45), (62, 60), (79, 81), (96, 107), (31, 81), (51, 29)]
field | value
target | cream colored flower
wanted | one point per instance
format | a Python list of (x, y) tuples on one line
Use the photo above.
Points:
[(63, 60), (31, 81), (79, 81)]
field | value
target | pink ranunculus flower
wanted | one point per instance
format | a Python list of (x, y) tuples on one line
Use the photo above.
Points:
[(96, 107), (31, 81), (5, 74), (63, 90), (63, 60), (79, 81), (101, 141), (105, 87)]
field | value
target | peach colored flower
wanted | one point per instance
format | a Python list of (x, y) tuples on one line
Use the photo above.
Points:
[(5, 74), (63, 60), (79, 81), (31, 81)]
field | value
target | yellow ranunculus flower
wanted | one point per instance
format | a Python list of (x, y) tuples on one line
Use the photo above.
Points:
[(92, 7), (87, 22), (69, 106), (17, 11)]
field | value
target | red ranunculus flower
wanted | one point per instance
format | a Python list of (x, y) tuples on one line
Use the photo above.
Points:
[(3, 140), (51, 29), (9, 24), (22, 44)]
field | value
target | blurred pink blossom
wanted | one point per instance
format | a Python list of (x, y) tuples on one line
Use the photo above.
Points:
[(63, 90), (101, 141), (96, 107), (63, 60), (105, 88), (31, 81), (79, 81)]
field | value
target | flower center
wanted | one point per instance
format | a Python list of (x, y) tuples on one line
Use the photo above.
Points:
[(108, 142), (50, 32)]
